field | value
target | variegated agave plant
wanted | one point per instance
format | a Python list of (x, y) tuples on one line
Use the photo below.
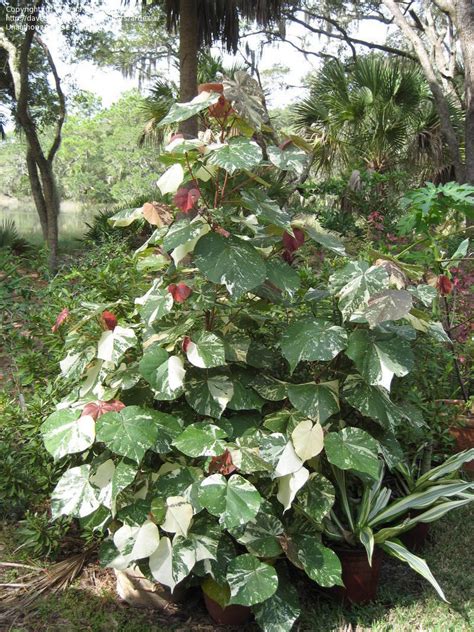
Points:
[(206, 429)]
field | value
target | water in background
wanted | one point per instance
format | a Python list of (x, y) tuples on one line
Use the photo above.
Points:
[(72, 219)]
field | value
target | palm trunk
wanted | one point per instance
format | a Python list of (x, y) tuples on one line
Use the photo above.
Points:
[(188, 52)]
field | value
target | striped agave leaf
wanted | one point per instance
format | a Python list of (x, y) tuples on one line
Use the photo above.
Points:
[(420, 500), (396, 549), (427, 516), (450, 465), (381, 502)]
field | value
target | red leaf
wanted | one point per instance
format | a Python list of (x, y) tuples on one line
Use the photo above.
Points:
[(60, 319), (444, 284), (292, 244), (185, 198), (221, 109), (222, 464), (98, 408), (109, 320), (185, 344), (179, 292)]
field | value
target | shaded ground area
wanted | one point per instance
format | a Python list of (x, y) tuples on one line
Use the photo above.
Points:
[(405, 601)]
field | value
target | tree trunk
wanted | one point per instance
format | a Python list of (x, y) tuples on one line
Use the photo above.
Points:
[(440, 101), (37, 193), (465, 26), (188, 52)]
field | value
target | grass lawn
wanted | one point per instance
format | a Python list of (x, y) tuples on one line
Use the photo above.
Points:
[(405, 602)]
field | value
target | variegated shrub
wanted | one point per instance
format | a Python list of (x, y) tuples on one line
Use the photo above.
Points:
[(205, 430)]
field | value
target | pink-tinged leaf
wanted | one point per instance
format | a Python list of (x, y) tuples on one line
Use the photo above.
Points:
[(109, 320), (179, 292), (444, 285), (222, 231), (175, 137), (222, 109), (60, 319), (185, 344), (291, 244), (98, 408), (186, 198)]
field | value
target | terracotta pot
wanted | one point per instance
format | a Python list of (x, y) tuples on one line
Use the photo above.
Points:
[(463, 433), (211, 87), (360, 579), (464, 437), (230, 615), (222, 108), (415, 539)]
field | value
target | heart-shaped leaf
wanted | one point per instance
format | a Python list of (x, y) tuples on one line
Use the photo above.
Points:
[(234, 501), (201, 439), (317, 401), (230, 261), (206, 351), (312, 339), (73, 494), (250, 580), (65, 432), (130, 432), (353, 449)]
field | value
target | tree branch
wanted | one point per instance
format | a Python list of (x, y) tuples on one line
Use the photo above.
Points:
[(353, 40)]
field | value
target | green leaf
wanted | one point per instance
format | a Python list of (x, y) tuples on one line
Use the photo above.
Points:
[(201, 439), (353, 449), (281, 610), (424, 293), (66, 432), (155, 304), (238, 153), (113, 344), (244, 397), (183, 111), (129, 432), (355, 284), (164, 374), (388, 305), (250, 580), (320, 563), (260, 536), (259, 203), (320, 235), (397, 550), (209, 396), (379, 357), (460, 252), (317, 497), (206, 351), (270, 388), (169, 429), (234, 501), (230, 261), (289, 159), (372, 401), (125, 217), (317, 401), (74, 495), (182, 231), (175, 480), (283, 276), (312, 339)]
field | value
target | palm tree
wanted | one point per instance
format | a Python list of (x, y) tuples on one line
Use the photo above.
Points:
[(376, 114), (202, 22)]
